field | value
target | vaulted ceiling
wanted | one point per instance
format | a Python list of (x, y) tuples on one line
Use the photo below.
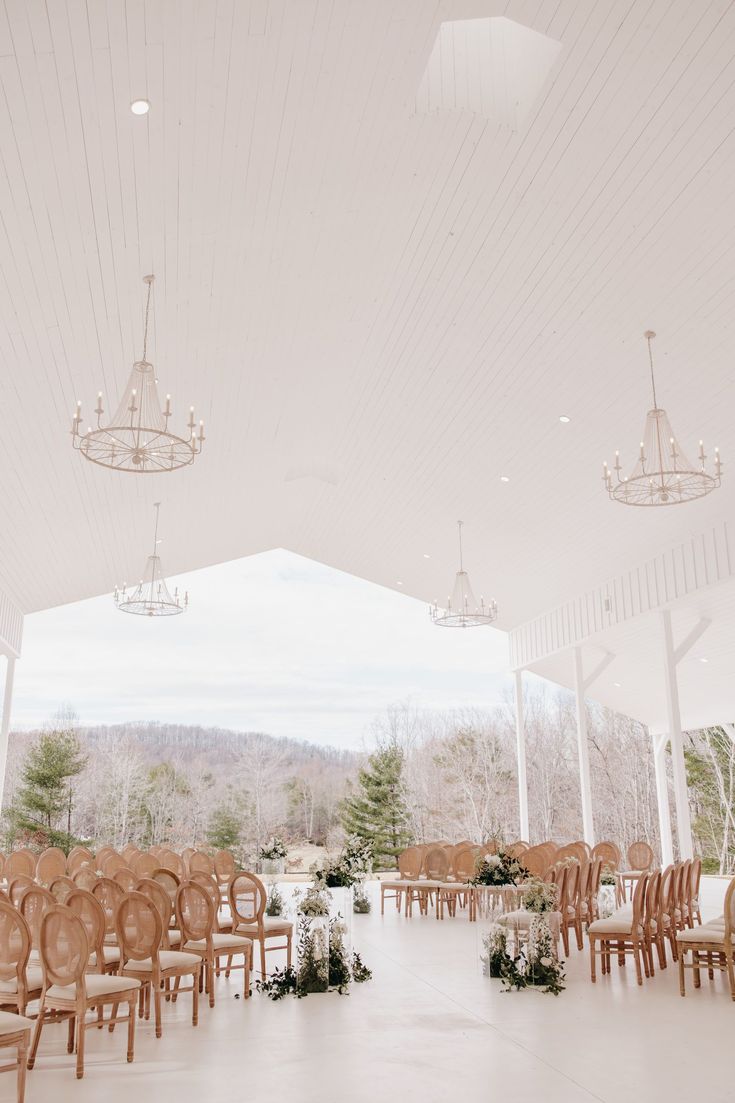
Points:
[(379, 305)]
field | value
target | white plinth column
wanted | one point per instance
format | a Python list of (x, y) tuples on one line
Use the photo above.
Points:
[(673, 711), (521, 756), (5, 723), (588, 827), (662, 797)]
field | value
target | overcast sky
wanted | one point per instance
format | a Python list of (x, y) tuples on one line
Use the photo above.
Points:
[(272, 643)]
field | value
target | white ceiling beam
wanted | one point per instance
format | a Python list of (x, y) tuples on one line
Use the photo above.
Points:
[(598, 670), (691, 638)]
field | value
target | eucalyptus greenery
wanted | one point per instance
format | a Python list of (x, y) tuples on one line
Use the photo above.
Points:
[(274, 904)]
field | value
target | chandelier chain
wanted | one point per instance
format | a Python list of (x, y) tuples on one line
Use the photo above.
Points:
[(649, 335), (149, 280)]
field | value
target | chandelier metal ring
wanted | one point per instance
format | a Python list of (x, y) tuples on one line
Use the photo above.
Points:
[(152, 597), (139, 439), (663, 474), (462, 609)]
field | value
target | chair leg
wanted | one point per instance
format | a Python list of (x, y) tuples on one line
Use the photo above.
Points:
[(288, 950), (592, 960), (22, 1056), (195, 998), (682, 986), (36, 1035), (730, 971), (637, 956), (262, 958), (157, 1010), (131, 1028), (70, 1035), (80, 1047)]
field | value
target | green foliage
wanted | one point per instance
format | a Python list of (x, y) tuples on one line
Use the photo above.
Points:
[(710, 766), (224, 829), (280, 983), (274, 903), (45, 803), (377, 811)]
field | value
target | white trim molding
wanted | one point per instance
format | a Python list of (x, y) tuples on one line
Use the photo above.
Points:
[(696, 564)]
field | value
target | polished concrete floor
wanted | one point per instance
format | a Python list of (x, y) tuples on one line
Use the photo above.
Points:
[(428, 1027)]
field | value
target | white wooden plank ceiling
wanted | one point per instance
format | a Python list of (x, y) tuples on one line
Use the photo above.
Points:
[(377, 312)]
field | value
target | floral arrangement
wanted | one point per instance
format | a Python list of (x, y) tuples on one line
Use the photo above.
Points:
[(499, 869), (536, 966), (351, 866), (314, 902), (323, 963), (361, 903), (540, 897), (607, 877), (274, 850), (274, 904)]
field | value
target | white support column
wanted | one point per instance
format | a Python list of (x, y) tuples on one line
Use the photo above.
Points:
[(5, 723), (588, 828), (673, 711), (521, 755), (662, 797)]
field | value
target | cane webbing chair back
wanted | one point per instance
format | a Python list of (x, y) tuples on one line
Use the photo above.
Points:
[(157, 895), (88, 909), (138, 926), (609, 853), (15, 942), (571, 850), (199, 862), (535, 860), (34, 903), (465, 864), (409, 863), (112, 863), (18, 886), (51, 864), (167, 879), (64, 947), (126, 879), (169, 859), (20, 862), (436, 864), (85, 878), (130, 850), (109, 895), (143, 865), (640, 856), (247, 898), (224, 865), (60, 888), (194, 912), (209, 885), (79, 856)]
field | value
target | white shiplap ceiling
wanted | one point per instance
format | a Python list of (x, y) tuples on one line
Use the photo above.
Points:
[(377, 311)]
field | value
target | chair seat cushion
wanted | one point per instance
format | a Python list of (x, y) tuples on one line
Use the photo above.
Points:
[(10, 1023), (96, 984), (272, 924), (167, 959), (110, 954), (174, 937), (34, 981), (611, 926), (713, 935), (221, 943)]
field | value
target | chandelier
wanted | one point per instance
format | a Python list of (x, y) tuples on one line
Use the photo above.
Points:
[(463, 610), (663, 475), (152, 597), (138, 439)]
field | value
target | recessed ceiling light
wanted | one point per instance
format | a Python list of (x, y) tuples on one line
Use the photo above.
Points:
[(505, 478), (704, 660), (399, 583), (564, 419), (617, 685), (426, 555), (140, 107)]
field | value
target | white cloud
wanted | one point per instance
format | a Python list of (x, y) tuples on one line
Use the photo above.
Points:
[(273, 642)]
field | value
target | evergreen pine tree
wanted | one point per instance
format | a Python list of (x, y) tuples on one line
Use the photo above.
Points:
[(225, 829), (377, 811), (44, 805)]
